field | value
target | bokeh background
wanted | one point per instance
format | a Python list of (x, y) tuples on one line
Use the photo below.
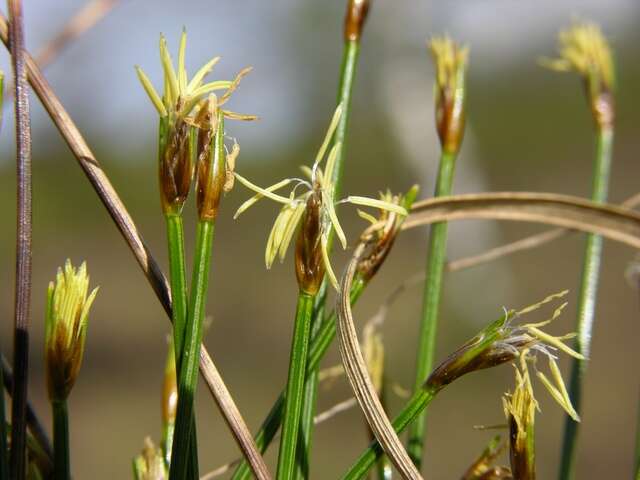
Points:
[(528, 129)]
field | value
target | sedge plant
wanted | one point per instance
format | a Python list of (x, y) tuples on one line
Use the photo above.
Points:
[(67, 316), (313, 215), (584, 49), (500, 342), (355, 19), (178, 140), (451, 68)]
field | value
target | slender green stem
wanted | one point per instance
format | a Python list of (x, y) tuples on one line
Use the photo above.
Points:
[(4, 453), (416, 404), (345, 89), (295, 386), (310, 394), (348, 70), (586, 302), (188, 373), (436, 257), (319, 346), (178, 279), (61, 464)]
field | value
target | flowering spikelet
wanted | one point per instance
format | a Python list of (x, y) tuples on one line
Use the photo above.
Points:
[(66, 327), (483, 469), (178, 108), (520, 409), (584, 50), (149, 465), (314, 211), (451, 67), (502, 342)]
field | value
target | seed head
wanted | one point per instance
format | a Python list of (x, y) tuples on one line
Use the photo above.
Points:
[(382, 233), (66, 327), (584, 49), (502, 342), (451, 67)]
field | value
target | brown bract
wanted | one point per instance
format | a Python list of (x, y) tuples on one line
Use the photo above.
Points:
[(211, 176), (309, 263), (175, 167), (354, 19)]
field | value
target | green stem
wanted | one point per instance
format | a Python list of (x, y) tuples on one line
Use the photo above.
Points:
[(178, 279), (416, 404), (347, 75), (188, 373), (319, 346), (586, 302), (61, 465), (436, 257), (310, 394), (177, 274), (295, 386)]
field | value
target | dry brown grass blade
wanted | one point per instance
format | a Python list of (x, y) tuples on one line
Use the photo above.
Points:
[(570, 212), (23, 245), (358, 375), (127, 227), (527, 243), (233, 417), (615, 223)]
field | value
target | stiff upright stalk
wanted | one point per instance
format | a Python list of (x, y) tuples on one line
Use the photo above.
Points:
[(451, 65), (295, 386), (319, 346), (354, 21), (188, 373), (587, 302), (178, 279), (436, 257), (61, 464)]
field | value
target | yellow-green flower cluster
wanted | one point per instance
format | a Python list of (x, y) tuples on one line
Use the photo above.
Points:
[(319, 194), (66, 320), (451, 62)]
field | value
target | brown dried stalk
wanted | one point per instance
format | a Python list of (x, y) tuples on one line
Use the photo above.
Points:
[(23, 246)]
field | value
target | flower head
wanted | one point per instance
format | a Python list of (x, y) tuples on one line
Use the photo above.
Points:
[(502, 342), (520, 409), (314, 210), (66, 327), (585, 50), (383, 231), (182, 100), (180, 95), (483, 469), (451, 67), (149, 465)]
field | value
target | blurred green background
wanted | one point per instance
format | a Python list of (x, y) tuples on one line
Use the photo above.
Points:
[(528, 129)]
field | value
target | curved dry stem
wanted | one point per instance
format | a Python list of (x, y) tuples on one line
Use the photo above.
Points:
[(613, 222), (358, 375)]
